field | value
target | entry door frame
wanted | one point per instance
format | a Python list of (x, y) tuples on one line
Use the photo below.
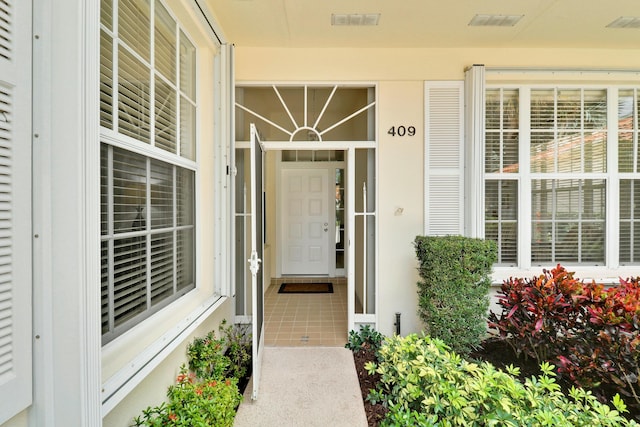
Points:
[(330, 198)]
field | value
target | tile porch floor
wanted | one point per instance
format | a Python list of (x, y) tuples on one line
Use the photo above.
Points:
[(299, 320)]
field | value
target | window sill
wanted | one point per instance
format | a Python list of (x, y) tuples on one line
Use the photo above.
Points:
[(125, 379)]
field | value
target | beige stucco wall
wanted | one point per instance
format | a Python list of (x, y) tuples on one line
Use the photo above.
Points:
[(400, 76)]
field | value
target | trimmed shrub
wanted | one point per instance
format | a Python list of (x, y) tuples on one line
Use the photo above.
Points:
[(454, 288), (426, 384)]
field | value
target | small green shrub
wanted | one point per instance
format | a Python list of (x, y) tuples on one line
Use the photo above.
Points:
[(426, 384), (206, 357), (454, 288), (366, 336), (238, 341), (194, 402), (205, 394)]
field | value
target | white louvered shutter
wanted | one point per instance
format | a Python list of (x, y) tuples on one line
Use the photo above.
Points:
[(444, 169), (15, 207)]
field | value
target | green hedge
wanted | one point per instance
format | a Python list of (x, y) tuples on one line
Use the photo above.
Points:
[(454, 288), (425, 384)]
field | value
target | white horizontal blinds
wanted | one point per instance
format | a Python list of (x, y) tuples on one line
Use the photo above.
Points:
[(628, 153), (162, 256), (502, 167), (165, 43), (134, 26), (443, 158), (161, 194), (185, 265), (147, 204), (187, 97), (134, 96), (568, 140), (106, 80), (166, 110), (148, 239), (15, 207), (129, 199)]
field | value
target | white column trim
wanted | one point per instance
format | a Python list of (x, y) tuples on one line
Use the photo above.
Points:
[(474, 150), (91, 339)]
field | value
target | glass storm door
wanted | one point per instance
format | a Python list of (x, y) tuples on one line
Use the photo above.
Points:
[(257, 249)]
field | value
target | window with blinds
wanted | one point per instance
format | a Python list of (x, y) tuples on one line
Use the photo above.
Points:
[(148, 169), (628, 159), (502, 141), (569, 138), (548, 174)]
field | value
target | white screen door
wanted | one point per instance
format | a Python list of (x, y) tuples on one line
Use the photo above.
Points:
[(305, 221), (257, 249)]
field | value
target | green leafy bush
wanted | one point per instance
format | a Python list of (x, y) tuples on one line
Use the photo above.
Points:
[(424, 383), (592, 333), (365, 337), (206, 357), (237, 339), (194, 402), (454, 288), (206, 393)]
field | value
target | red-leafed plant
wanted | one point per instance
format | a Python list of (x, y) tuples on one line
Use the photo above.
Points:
[(609, 348), (540, 313), (590, 332)]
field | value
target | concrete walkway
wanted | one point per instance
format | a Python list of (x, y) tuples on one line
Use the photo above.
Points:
[(305, 386)]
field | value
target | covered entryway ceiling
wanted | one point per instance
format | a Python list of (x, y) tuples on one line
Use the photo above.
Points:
[(428, 23)]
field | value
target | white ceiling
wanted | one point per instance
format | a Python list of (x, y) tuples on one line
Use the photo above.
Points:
[(427, 23)]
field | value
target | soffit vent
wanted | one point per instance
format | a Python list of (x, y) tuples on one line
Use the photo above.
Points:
[(357, 19), (495, 20), (625, 22)]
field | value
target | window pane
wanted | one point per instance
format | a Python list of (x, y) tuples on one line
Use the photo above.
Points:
[(569, 152), (104, 286), (106, 80), (185, 259), (493, 109), (129, 191), (595, 151), (161, 267), (595, 109), (187, 129), (568, 220), (106, 14), (166, 117), (185, 188), (501, 218), (629, 221), (104, 190), (161, 194), (569, 109), (492, 158), (134, 26), (627, 135), (165, 43), (134, 97), (187, 67), (542, 109), (543, 152), (129, 278), (626, 144)]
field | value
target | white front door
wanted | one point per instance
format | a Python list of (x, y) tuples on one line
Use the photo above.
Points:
[(305, 221)]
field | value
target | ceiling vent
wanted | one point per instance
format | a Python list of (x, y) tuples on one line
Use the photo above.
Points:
[(355, 19), (625, 22), (495, 20)]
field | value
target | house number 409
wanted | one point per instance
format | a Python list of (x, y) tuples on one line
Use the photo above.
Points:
[(402, 131)]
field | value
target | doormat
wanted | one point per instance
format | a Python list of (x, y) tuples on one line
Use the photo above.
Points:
[(306, 288)]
